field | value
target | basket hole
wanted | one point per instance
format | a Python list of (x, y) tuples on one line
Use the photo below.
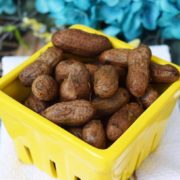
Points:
[(77, 178), (53, 168), (28, 152)]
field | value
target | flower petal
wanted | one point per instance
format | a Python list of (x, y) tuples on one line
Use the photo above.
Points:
[(112, 30), (120, 3), (172, 31), (55, 5), (108, 14), (132, 26), (178, 4), (42, 6), (8, 7), (169, 6), (82, 4), (165, 19), (135, 6), (59, 18), (111, 2), (151, 12), (71, 15)]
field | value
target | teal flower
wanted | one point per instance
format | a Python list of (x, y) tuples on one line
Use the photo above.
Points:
[(7, 7), (52, 6), (138, 15), (82, 4), (120, 3), (132, 26), (170, 6), (112, 30), (109, 15), (169, 21), (129, 17), (150, 14), (70, 15)]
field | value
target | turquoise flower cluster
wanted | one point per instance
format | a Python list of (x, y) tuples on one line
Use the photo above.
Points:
[(128, 17), (7, 6)]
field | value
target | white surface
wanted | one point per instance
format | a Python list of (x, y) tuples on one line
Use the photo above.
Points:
[(161, 51), (164, 164), (10, 62)]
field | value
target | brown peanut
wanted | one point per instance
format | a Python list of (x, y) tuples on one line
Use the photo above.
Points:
[(106, 81), (163, 73), (150, 96), (120, 121), (45, 88), (77, 85), (35, 104), (93, 133), (138, 70), (31, 72), (63, 69), (51, 56), (71, 113), (117, 57), (110, 105), (81, 43)]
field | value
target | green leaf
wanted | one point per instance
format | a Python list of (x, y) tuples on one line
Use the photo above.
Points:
[(20, 39), (9, 28)]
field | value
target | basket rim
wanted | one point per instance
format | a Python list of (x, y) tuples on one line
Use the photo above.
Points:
[(117, 148)]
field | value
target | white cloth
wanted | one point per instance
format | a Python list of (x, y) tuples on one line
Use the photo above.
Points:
[(164, 164)]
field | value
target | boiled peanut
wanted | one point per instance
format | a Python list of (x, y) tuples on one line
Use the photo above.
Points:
[(71, 113), (117, 57), (163, 73), (35, 104), (81, 43), (51, 56), (150, 96), (138, 70), (120, 121), (106, 81), (45, 88), (31, 72), (77, 85), (63, 69), (112, 104), (93, 133)]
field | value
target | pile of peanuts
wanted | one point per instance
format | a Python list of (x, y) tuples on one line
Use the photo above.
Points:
[(89, 88)]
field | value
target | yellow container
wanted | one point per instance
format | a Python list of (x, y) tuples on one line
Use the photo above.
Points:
[(61, 154)]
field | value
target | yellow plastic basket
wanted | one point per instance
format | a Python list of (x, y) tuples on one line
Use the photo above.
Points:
[(61, 154)]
